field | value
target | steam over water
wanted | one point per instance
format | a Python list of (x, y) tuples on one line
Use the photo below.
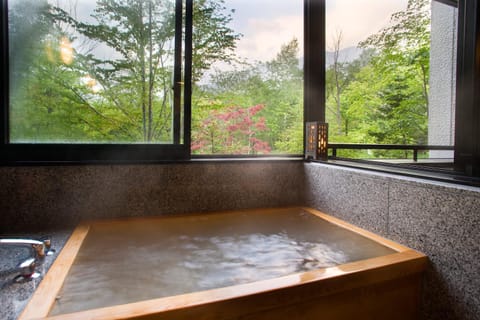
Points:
[(146, 259)]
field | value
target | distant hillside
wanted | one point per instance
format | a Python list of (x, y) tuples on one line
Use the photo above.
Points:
[(345, 55)]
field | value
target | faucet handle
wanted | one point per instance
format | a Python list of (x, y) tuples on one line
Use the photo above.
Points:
[(48, 247), (44, 248), (47, 242), (39, 249)]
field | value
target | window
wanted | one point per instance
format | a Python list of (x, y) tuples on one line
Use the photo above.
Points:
[(390, 77), (394, 91), (250, 101), (95, 80), (92, 80)]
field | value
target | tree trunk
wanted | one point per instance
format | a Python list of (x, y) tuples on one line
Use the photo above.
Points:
[(143, 76), (150, 76), (338, 85)]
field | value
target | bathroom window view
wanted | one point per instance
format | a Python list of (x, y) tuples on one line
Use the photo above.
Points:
[(251, 102), (103, 72), (390, 76), (91, 71)]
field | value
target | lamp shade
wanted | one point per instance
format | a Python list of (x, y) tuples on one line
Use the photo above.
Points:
[(316, 140)]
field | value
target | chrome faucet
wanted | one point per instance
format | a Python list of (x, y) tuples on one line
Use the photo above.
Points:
[(39, 249)]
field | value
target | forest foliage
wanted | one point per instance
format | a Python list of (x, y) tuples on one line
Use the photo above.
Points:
[(64, 88)]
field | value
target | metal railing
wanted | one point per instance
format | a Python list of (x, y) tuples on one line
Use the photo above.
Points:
[(415, 148)]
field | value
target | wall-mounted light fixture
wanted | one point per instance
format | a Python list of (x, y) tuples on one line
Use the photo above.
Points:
[(316, 139)]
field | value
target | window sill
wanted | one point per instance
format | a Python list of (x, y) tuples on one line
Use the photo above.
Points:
[(246, 158), (406, 169), (193, 159)]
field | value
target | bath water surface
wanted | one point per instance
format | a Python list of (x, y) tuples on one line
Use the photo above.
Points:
[(136, 260)]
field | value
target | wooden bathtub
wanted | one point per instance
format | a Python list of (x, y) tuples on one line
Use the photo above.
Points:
[(384, 282)]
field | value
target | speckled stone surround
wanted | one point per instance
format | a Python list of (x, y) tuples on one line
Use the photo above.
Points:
[(441, 220), (35, 198), (438, 219), (14, 295)]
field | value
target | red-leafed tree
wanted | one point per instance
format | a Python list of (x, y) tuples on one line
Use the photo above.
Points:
[(231, 131)]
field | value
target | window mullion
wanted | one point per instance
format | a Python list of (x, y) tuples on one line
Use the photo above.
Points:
[(314, 64), (177, 73), (187, 107), (5, 74)]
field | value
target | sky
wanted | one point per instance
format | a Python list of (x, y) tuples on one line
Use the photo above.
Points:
[(266, 25)]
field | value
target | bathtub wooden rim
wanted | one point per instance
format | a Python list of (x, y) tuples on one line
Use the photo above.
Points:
[(402, 263)]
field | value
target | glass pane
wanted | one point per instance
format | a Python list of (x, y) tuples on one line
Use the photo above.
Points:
[(391, 75), (89, 71), (248, 83)]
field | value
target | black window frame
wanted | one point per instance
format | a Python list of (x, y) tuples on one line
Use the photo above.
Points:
[(18, 153), (467, 111)]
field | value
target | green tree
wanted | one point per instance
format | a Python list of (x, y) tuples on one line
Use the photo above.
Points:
[(407, 41), (213, 39), (43, 108), (403, 60), (338, 77), (285, 115), (386, 100), (126, 97), (136, 81), (276, 84)]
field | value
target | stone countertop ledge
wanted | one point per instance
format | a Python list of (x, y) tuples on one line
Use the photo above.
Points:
[(15, 294)]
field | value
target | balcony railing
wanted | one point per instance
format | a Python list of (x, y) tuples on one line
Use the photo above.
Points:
[(415, 148)]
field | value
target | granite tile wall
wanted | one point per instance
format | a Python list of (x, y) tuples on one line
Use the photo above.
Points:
[(441, 220), (361, 199), (48, 197)]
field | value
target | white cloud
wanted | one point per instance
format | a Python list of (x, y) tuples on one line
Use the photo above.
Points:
[(263, 38), (267, 25), (357, 19)]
